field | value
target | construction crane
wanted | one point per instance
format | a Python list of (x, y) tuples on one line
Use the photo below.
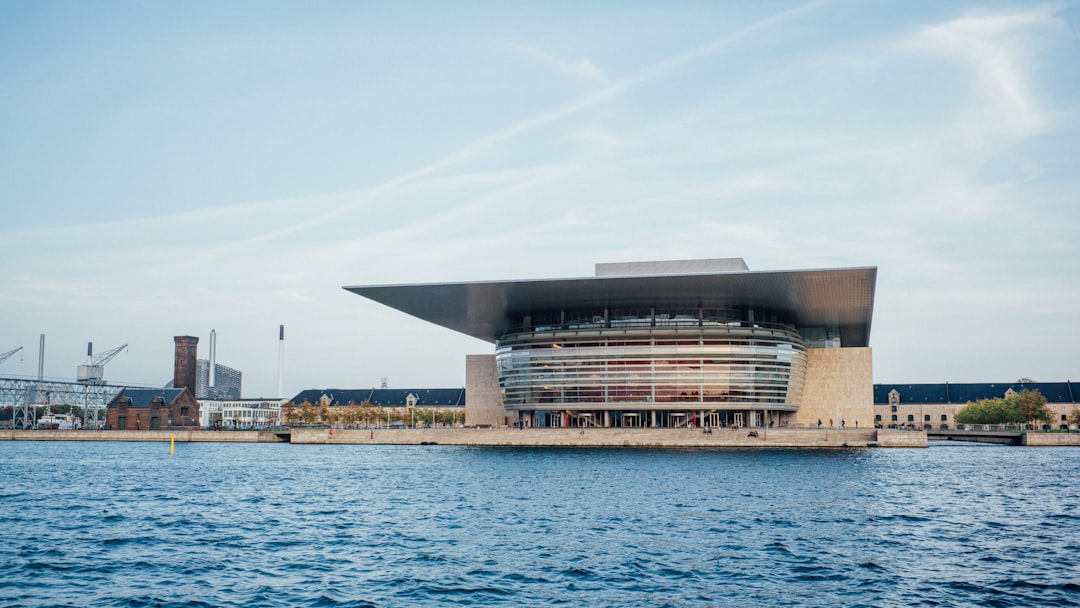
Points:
[(7, 355), (94, 370)]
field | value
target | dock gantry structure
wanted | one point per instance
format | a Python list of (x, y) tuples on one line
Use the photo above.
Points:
[(25, 396)]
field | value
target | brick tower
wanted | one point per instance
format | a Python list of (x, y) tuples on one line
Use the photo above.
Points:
[(184, 362)]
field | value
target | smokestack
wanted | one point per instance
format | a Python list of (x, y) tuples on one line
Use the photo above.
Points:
[(184, 362), (281, 363), (41, 359), (213, 356)]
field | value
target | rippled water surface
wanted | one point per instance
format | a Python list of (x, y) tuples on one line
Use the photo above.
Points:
[(125, 524)]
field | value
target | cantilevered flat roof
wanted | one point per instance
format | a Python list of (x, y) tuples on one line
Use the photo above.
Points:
[(842, 297)]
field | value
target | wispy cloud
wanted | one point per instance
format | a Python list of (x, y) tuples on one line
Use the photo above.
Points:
[(648, 74), (320, 210), (581, 67), (997, 46), (597, 137)]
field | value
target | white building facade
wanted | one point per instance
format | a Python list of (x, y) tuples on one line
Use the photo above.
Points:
[(239, 413)]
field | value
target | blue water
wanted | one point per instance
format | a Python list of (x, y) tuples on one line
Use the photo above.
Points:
[(125, 524)]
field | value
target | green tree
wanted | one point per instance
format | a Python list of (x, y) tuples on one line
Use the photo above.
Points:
[(451, 417), (290, 413), (1074, 418), (1023, 407), (350, 414), (367, 414), (1032, 407), (397, 414), (984, 411), (331, 415), (425, 416), (308, 413)]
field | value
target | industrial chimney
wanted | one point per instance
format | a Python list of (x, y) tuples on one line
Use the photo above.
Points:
[(281, 363), (41, 359), (184, 362)]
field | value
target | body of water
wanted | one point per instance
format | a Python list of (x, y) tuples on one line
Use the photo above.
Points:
[(126, 524)]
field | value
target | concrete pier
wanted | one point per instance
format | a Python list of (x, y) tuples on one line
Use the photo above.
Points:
[(1051, 439), (620, 437), (180, 436), (564, 437)]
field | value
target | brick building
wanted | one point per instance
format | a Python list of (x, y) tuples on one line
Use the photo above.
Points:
[(173, 407), (135, 409)]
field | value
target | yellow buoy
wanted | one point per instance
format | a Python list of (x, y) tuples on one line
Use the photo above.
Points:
[(172, 445)]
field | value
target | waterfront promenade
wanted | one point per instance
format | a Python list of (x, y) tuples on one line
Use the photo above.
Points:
[(179, 436), (564, 437), (620, 437)]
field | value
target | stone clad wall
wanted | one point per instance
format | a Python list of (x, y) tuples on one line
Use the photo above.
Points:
[(483, 399), (602, 437), (1051, 439), (180, 436), (839, 386), (888, 438)]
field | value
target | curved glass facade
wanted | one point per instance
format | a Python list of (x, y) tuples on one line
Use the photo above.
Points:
[(644, 360)]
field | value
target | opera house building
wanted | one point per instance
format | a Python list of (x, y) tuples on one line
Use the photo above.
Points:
[(661, 344)]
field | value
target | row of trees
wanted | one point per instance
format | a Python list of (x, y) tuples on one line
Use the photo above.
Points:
[(366, 414), (1027, 406)]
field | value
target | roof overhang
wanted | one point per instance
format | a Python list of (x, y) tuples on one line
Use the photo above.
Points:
[(842, 298)]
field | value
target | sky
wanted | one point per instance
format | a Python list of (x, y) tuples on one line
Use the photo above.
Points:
[(172, 168)]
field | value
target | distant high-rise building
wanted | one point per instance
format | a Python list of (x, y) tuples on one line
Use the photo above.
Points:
[(226, 381)]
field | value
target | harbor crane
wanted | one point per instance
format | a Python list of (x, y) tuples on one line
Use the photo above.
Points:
[(94, 370), (7, 355)]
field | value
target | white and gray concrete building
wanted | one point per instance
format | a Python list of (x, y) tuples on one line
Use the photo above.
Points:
[(239, 413)]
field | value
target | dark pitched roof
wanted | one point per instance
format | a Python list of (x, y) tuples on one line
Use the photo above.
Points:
[(1055, 392), (143, 397), (337, 396), (426, 397)]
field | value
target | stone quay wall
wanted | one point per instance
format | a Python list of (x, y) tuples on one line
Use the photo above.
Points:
[(1051, 439), (569, 437), (180, 436), (618, 437), (892, 438)]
